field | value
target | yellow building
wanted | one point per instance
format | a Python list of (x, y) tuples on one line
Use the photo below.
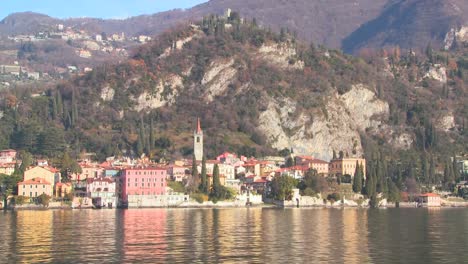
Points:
[(49, 174), (345, 166), (35, 187), (62, 189)]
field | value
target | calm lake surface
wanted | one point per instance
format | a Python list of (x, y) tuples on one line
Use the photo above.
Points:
[(252, 235)]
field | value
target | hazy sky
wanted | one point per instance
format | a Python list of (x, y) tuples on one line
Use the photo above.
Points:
[(93, 8)]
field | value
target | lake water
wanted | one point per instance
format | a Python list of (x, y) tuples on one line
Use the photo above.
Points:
[(252, 235)]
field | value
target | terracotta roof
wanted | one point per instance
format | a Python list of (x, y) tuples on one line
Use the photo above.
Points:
[(91, 180), (8, 150), (429, 195), (35, 181), (306, 157), (318, 161), (58, 184), (260, 181)]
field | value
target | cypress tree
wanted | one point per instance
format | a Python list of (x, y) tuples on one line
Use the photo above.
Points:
[(195, 177), (456, 172), (204, 181), (357, 181), (151, 136), (216, 189), (432, 170)]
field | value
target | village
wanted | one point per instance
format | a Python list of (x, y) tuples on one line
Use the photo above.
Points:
[(86, 45), (123, 182)]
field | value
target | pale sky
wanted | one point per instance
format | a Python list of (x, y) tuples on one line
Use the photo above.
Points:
[(93, 8)]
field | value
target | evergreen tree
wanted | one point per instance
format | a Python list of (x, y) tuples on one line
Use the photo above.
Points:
[(204, 180), (195, 180), (216, 190), (393, 192), (456, 172), (357, 181), (432, 171), (151, 136)]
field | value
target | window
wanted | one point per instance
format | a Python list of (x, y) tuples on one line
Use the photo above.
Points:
[(30, 194), (143, 179), (128, 184), (136, 184), (198, 139), (23, 194), (142, 185)]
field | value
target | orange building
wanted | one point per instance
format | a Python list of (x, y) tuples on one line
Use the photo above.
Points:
[(340, 167), (35, 187)]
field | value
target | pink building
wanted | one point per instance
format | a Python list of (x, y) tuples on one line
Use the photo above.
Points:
[(8, 156), (177, 173), (143, 181)]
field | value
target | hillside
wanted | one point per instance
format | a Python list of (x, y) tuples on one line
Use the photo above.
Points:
[(349, 25), (257, 93), (411, 24)]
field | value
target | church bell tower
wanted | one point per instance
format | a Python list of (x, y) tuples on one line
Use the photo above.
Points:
[(198, 142)]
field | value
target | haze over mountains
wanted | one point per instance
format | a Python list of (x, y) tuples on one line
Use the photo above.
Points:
[(349, 25)]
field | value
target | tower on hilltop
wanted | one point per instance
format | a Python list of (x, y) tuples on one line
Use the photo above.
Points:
[(198, 142)]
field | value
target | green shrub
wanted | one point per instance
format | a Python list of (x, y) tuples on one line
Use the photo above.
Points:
[(199, 197), (20, 200)]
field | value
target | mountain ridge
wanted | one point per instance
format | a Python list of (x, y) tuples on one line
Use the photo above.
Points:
[(350, 25)]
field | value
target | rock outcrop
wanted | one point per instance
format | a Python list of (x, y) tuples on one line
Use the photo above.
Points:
[(337, 128), (282, 55), (217, 79), (164, 94)]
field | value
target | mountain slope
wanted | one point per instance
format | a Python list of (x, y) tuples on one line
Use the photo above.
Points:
[(350, 25), (410, 24), (257, 92)]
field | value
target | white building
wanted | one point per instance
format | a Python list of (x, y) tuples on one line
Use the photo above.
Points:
[(102, 191)]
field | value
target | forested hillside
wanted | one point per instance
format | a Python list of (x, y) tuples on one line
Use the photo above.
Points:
[(257, 93)]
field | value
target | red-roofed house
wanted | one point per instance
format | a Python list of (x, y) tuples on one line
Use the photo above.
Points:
[(297, 172), (35, 187), (429, 200), (49, 174), (7, 168), (177, 173), (320, 166), (8, 156)]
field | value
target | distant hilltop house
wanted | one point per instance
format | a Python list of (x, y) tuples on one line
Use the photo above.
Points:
[(84, 54), (11, 69), (143, 38)]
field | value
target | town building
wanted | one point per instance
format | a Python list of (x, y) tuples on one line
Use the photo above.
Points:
[(346, 166), (429, 200), (62, 189), (7, 168), (142, 181), (103, 192), (49, 174), (321, 166), (34, 187), (177, 173), (198, 142), (7, 156)]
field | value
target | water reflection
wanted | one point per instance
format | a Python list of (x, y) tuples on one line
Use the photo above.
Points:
[(252, 235)]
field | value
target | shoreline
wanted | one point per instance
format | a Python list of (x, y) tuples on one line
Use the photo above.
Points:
[(234, 205)]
